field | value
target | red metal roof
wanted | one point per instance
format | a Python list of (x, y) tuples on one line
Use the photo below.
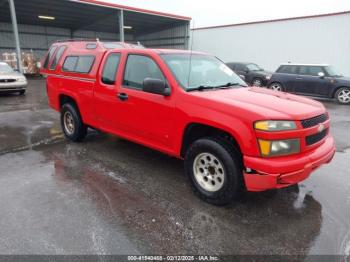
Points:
[(134, 9), (275, 20)]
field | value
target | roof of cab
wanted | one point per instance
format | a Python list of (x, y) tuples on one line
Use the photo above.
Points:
[(96, 45)]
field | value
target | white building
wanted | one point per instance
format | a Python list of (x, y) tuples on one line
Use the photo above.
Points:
[(312, 39)]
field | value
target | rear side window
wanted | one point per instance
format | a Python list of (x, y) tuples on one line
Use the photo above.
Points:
[(58, 55), (310, 70), (288, 69), (84, 64), (138, 68), (315, 70), (49, 56), (78, 64), (70, 63), (110, 69)]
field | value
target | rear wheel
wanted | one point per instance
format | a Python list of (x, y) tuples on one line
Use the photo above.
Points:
[(343, 95), (72, 124), (276, 87), (214, 170)]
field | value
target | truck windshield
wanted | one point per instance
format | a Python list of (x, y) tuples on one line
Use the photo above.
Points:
[(201, 72), (5, 68)]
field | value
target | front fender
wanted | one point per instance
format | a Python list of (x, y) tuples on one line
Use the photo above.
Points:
[(237, 127)]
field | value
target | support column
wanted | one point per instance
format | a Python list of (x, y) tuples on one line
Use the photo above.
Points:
[(15, 32), (187, 35), (121, 26)]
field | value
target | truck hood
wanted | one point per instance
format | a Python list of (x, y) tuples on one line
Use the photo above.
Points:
[(264, 103)]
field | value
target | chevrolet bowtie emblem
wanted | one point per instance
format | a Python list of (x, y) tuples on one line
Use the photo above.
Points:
[(320, 128)]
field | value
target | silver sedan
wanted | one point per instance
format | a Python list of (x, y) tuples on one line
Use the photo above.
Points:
[(11, 81)]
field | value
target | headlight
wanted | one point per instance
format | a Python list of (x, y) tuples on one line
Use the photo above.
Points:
[(279, 147), (268, 77), (271, 125), (22, 79)]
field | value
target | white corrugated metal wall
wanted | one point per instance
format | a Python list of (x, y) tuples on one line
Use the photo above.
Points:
[(323, 39), (175, 37)]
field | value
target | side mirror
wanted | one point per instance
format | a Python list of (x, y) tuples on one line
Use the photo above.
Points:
[(156, 86), (321, 74)]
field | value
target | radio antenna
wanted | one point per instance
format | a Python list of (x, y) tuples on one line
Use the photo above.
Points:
[(190, 63)]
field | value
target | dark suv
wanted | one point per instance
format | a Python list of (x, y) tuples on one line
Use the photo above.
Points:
[(313, 80), (251, 73)]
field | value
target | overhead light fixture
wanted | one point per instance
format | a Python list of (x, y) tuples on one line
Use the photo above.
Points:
[(127, 27), (46, 17)]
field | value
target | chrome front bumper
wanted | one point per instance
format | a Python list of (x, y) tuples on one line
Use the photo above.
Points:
[(14, 86)]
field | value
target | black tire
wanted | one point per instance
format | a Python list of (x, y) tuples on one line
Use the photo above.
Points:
[(79, 131), (230, 159), (256, 81), (341, 99), (22, 92), (274, 85)]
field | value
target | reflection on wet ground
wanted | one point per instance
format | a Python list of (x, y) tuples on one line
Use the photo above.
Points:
[(110, 196)]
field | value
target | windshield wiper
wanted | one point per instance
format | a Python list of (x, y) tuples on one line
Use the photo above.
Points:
[(206, 87), (229, 84), (201, 87)]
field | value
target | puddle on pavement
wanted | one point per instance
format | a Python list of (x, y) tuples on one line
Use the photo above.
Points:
[(273, 220), (137, 203), (26, 129), (331, 186)]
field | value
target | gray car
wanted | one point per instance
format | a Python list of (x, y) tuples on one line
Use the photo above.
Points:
[(319, 80), (11, 81)]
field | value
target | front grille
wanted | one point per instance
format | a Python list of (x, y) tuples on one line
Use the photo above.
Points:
[(313, 139), (7, 80), (314, 121)]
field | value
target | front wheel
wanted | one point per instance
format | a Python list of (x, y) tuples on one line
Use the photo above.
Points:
[(72, 124), (257, 82), (343, 95), (214, 170), (276, 87)]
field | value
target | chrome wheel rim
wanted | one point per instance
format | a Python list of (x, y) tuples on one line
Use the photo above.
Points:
[(276, 87), (68, 122), (208, 172), (344, 96), (257, 82)]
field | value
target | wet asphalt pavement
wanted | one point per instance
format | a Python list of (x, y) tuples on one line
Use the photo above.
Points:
[(110, 196)]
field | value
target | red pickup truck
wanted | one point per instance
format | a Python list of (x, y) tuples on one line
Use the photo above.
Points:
[(189, 105)]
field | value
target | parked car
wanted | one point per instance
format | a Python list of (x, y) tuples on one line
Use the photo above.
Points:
[(252, 73), (313, 80), (10, 80), (191, 106)]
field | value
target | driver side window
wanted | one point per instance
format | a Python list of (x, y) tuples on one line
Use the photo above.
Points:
[(138, 68)]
